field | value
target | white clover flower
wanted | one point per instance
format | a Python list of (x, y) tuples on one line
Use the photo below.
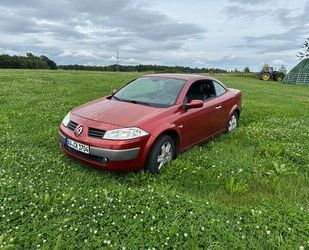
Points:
[(268, 232), (185, 234)]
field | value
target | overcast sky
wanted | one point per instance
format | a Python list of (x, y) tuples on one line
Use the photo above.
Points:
[(223, 33)]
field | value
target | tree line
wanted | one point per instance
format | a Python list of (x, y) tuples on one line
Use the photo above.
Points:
[(142, 67), (29, 61)]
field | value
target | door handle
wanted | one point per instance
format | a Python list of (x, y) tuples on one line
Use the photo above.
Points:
[(219, 107)]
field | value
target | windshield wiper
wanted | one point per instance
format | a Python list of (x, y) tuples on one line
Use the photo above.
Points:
[(136, 102), (133, 101), (116, 98)]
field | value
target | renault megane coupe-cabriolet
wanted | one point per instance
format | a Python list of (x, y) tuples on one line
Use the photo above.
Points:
[(149, 121)]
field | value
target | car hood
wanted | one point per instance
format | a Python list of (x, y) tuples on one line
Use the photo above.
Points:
[(114, 112)]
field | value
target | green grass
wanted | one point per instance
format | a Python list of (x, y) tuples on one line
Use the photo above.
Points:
[(248, 189)]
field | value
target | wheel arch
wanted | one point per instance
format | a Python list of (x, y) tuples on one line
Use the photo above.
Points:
[(174, 135), (236, 109), (170, 130)]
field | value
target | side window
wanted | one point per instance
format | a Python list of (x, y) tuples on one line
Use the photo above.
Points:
[(201, 90), (220, 90), (195, 92)]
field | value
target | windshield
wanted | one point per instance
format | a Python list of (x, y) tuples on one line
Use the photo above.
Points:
[(152, 91)]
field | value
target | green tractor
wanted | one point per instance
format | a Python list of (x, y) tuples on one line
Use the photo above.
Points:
[(268, 73)]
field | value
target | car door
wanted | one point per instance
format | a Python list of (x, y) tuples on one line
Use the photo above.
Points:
[(222, 106), (197, 124)]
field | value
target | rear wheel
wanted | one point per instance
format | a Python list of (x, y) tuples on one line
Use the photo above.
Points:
[(279, 77), (162, 152), (266, 76), (233, 123)]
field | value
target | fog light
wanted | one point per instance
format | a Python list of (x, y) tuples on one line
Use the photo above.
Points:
[(105, 160)]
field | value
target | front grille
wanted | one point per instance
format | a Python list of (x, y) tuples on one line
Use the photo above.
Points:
[(94, 132), (94, 158), (72, 125)]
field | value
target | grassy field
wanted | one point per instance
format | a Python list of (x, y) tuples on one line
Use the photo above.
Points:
[(248, 189)]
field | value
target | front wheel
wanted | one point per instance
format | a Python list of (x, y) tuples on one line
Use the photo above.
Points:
[(266, 76), (233, 123), (162, 152)]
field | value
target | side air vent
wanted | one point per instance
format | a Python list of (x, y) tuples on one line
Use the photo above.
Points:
[(98, 133), (72, 125)]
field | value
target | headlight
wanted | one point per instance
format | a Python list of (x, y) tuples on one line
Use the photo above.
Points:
[(124, 134), (66, 119)]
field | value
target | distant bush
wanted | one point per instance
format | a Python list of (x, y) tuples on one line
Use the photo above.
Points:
[(26, 62), (247, 70)]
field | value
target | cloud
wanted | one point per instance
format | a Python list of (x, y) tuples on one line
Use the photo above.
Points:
[(91, 30), (160, 32)]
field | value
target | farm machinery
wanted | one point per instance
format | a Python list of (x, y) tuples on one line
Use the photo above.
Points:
[(268, 73)]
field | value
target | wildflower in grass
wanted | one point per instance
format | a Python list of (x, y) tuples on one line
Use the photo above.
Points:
[(185, 234), (301, 248), (268, 232), (202, 228)]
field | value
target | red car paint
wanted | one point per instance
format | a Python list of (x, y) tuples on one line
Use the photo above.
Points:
[(191, 126)]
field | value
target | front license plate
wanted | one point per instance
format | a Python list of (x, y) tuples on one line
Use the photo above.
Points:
[(77, 146)]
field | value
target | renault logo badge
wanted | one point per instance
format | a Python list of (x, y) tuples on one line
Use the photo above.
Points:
[(79, 131)]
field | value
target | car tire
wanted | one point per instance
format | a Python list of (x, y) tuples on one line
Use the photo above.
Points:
[(233, 122), (162, 152)]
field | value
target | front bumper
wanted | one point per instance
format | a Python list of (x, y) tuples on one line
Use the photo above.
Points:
[(110, 154)]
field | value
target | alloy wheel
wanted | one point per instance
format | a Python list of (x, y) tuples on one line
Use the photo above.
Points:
[(165, 155), (232, 123)]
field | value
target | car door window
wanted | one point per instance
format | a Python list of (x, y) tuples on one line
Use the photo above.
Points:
[(201, 90), (208, 90), (220, 90), (195, 92)]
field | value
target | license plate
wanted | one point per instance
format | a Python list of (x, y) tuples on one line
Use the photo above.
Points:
[(77, 146)]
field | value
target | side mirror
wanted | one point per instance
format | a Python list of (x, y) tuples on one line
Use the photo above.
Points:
[(194, 104)]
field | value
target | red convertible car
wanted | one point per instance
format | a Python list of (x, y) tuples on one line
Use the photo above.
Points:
[(149, 121)]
